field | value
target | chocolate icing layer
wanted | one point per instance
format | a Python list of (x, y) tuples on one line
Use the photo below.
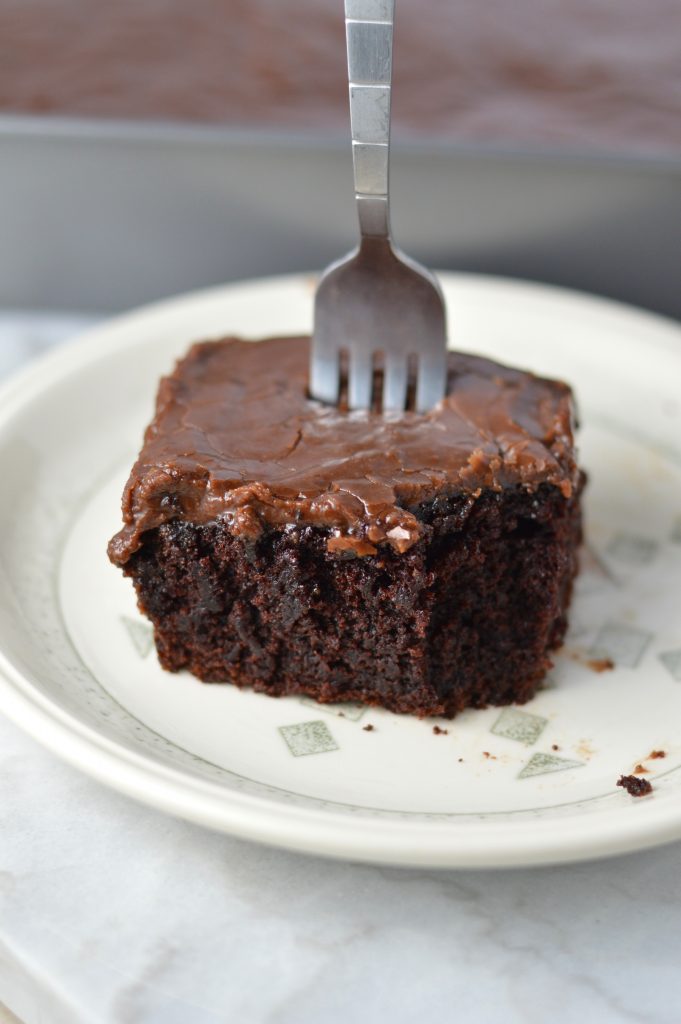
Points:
[(235, 436)]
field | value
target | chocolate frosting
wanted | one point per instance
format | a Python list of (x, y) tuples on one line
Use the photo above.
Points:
[(236, 437)]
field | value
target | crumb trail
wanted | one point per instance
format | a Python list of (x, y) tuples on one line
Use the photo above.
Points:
[(601, 664)]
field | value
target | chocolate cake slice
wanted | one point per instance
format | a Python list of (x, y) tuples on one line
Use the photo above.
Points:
[(423, 563)]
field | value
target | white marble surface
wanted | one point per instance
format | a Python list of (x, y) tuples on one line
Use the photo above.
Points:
[(113, 913)]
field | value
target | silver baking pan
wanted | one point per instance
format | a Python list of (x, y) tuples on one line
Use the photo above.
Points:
[(106, 215)]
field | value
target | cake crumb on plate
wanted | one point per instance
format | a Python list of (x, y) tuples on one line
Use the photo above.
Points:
[(634, 786)]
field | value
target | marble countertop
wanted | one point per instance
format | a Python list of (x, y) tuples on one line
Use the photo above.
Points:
[(115, 914)]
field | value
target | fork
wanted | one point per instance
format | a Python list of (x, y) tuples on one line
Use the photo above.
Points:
[(376, 306)]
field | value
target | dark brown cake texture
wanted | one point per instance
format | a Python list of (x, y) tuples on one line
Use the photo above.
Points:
[(420, 562)]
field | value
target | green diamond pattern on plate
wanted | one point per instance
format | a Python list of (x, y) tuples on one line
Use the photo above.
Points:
[(519, 725), (140, 633), (308, 738), (543, 764), (594, 573), (672, 662), (353, 712), (632, 549), (622, 644)]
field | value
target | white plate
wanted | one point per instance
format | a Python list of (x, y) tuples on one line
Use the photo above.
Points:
[(502, 787)]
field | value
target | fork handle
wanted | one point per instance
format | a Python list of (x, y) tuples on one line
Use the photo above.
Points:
[(369, 35)]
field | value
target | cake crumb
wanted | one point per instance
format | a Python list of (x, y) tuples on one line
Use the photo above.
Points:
[(634, 786), (601, 664), (440, 732), (640, 770), (595, 664), (654, 754), (490, 757), (554, 746), (368, 728)]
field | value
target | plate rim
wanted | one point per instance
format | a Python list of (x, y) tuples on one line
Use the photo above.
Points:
[(329, 833)]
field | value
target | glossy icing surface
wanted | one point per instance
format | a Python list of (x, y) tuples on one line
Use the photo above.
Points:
[(235, 436)]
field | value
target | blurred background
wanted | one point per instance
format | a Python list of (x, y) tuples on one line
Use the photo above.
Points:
[(152, 146)]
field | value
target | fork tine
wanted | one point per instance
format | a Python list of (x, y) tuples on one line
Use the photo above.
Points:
[(325, 375), (360, 378), (395, 380), (431, 380)]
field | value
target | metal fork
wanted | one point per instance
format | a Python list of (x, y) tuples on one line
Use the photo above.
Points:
[(376, 300)]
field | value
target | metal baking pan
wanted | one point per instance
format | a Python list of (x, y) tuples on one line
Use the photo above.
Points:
[(106, 215)]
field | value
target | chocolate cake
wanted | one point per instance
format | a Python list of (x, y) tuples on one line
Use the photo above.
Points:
[(583, 76), (421, 562)]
